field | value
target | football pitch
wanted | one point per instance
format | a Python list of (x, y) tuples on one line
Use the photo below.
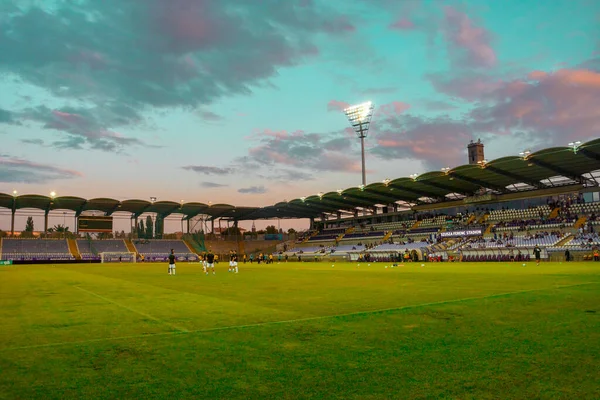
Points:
[(301, 331)]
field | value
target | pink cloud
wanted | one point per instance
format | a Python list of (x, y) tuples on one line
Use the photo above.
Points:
[(402, 24), (470, 44), (335, 105), (393, 109), (550, 107), (469, 87), (419, 138)]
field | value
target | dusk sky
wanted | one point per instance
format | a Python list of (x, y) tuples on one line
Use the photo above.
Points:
[(240, 102)]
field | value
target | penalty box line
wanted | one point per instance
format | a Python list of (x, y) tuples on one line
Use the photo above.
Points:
[(289, 321), (143, 314)]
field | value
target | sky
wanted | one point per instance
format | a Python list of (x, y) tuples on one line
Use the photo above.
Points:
[(241, 102)]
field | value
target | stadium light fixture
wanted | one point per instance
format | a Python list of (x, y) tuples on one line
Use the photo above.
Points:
[(524, 154), (52, 194), (386, 181), (575, 145), (359, 117), (446, 169), (413, 176), (15, 193), (152, 199)]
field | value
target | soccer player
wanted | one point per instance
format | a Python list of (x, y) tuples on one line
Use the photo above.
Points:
[(172, 262), (234, 261), (538, 253), (210, 262), (230, 261)]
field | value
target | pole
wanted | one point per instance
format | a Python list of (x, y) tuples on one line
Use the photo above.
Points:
[(362, 151)]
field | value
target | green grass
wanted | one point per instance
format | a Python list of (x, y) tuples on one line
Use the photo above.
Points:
[(301, 331)]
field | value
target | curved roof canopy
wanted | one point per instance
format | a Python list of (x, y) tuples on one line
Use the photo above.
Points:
[(543, 169)]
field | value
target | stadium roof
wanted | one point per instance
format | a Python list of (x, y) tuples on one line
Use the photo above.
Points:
[(548, 168)]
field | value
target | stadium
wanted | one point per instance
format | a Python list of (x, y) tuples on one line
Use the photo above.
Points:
[(372, 263), (299, 199)]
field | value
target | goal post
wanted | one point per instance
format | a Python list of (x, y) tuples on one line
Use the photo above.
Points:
[(118, 256)]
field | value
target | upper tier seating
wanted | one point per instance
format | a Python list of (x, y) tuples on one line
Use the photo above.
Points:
[(534, 213), (35, 249), (159, 250)]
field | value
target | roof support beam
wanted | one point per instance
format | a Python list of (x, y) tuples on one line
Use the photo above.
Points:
[(80, 209), (479, 182), (589, 154), (365, 199), (421, 193), (386, 196), (517, 177), (444, 187), (560, 171)]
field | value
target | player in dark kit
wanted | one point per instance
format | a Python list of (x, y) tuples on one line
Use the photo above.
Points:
[(537, 252), (172, 262), (234, 262), (210, 262)]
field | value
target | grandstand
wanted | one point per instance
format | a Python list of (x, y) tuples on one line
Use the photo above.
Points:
[(159, 250), (485, 211)]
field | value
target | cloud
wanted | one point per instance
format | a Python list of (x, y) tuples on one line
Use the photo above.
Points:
[(208, 170), (180, 53), (210, 116), (335, 105), (210, 185), (253, 190), (402, 24), (305, 151), (86, 128), (464, 86), (439, 141), (16, 170), (439, 105), (7, 117), (393, 108), (552, 108), (539, 109), (468, 44), (38, 142)]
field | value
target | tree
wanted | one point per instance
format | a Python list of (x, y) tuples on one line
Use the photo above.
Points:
[(159, 229), (271, 229), (149, 227), (29, 224), (291, 230), (141, 232)]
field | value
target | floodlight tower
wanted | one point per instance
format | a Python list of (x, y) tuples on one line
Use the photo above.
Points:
[(360, 119)]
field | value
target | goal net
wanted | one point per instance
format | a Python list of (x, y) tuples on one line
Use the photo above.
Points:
[(115, 257)]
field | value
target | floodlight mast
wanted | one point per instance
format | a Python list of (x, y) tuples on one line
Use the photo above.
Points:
[(360, 119)]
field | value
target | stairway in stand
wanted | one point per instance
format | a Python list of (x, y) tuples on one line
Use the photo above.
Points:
[(564, 240), (388, 236), (554, 213), (190, 247), (131, 247), (74, 249), (580, 222)]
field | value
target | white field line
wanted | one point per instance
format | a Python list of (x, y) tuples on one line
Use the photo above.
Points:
[(143, 314), (289, 321)]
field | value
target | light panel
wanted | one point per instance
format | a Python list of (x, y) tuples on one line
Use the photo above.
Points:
[(360, 117)]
